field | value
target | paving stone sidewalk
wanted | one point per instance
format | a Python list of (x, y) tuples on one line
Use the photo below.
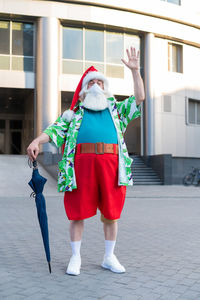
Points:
[(158, 243)]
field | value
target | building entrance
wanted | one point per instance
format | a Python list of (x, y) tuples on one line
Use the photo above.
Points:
[(16, 120)]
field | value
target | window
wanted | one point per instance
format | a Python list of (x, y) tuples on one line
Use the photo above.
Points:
[(84, 47), (193, 111), (16, 47), (72, 43), (178, 2), (175, 58), (22, 39), (4, 37), (94, 51), (114, 53), (4, 45), (72, 50)]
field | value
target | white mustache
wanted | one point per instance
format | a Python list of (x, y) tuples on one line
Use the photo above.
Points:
[(95, 89)]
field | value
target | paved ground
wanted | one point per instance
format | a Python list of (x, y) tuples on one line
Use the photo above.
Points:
[(158, 243)]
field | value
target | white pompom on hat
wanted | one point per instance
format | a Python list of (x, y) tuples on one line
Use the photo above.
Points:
[(68, 115)]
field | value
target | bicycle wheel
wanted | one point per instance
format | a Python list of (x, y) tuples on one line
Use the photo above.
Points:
[(188, 179)]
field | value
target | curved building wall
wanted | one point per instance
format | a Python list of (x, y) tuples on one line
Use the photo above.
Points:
[(170, 57)]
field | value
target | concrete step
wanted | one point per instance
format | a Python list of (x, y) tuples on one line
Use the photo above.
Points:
[(142, 170), (147, 183), (142, 174), (152, 177), (143, 179)]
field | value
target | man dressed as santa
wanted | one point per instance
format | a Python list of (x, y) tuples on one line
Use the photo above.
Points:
[(95, 168)]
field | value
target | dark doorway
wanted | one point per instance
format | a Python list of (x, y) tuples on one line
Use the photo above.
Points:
[(16, 141), (16, 120)]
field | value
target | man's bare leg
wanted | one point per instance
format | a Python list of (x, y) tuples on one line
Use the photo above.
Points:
[(110, 260), (76, 231), (110, 230)]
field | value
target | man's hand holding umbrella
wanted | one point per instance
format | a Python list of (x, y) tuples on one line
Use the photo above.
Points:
[(33, 149)]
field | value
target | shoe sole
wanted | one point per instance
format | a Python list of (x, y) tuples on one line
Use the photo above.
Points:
[(72, 274), (111, 269)]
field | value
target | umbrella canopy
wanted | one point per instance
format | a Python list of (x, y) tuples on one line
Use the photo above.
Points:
[(37, 184)]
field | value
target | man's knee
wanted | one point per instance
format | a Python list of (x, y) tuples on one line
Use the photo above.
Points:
[(76, 221), (107, 221)]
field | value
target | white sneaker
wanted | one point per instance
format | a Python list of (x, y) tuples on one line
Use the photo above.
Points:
[(74, 265), (112, 263)]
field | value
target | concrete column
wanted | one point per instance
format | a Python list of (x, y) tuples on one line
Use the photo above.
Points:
[(48, 103), (149, 91)]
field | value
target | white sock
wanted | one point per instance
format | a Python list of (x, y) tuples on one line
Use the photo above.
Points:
[(109, 247), (76, 246)]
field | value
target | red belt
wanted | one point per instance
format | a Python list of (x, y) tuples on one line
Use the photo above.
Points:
[(97, 148)]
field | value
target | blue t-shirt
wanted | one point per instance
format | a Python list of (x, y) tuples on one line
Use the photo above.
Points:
[(97, 126)]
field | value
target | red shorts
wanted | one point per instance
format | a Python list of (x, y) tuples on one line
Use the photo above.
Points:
[(97, 187)]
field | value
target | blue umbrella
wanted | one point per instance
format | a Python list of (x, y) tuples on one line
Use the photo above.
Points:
[(37, 184)]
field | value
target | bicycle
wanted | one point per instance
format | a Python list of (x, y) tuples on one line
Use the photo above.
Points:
[(192, 178)]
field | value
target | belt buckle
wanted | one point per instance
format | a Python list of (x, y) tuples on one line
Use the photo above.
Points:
[(96, 148)]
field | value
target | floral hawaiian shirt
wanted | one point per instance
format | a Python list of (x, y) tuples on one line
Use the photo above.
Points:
[(61, 132)]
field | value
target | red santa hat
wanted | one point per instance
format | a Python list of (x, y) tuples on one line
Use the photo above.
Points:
[(90, 74)]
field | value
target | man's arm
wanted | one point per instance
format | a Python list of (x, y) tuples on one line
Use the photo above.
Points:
[(33, 148), (133, 65), (138, 87)]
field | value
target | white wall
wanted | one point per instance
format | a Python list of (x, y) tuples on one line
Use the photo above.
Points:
[(17, 79), (172, 134)]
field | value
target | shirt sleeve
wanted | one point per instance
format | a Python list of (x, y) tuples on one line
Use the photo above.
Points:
[(128, 110), (57, 132)]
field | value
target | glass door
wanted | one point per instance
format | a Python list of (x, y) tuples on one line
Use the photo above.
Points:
[(16, 136), (2, 136)]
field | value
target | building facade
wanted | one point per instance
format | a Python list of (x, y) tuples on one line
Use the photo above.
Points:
[(45, 46)]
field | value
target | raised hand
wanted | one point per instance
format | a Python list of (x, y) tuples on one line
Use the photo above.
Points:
[(133, 59)]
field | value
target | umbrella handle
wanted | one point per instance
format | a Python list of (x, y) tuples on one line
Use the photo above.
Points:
[(32, 164), (29, 163), (35, 164), (33, 194)]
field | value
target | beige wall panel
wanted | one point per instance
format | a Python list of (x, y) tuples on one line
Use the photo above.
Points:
[(193, 141), (17, 79), (158, 133), (181, 140), (169, 136)]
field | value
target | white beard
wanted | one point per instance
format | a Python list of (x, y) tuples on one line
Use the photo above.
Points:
[(95, 98)]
